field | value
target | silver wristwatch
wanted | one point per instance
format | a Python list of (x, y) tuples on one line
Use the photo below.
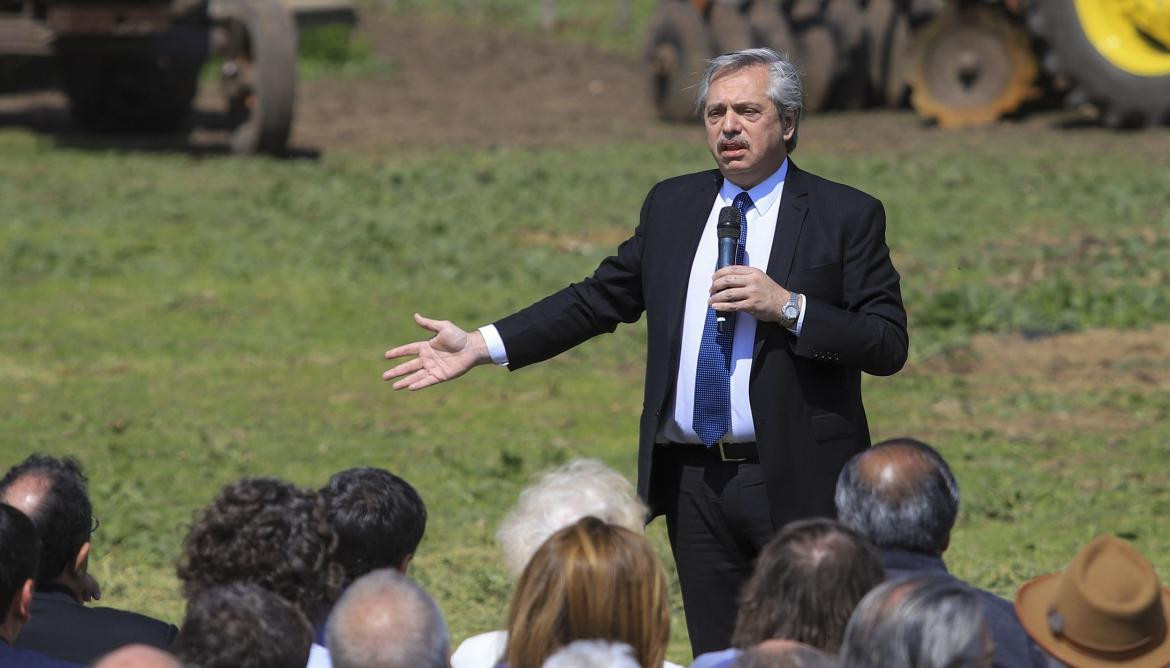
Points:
[(790, 312)]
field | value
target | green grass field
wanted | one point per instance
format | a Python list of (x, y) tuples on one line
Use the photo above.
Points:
[(178, 322)]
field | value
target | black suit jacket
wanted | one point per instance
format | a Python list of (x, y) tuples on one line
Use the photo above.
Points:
[(805, 391), (61, 627), (11, 657)]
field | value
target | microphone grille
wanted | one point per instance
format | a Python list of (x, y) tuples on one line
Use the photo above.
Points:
[(728, 226)]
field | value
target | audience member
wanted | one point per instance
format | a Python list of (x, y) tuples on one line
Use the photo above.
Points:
[(385, 620), (243, 626), (593, 654), (560, 497), (920, 621), (804, 586), (590, 580), (379, 519), (784, 654), (138, 656), (903, 497), (266, 532), (1106, 609), (52, 492), (19, 552)]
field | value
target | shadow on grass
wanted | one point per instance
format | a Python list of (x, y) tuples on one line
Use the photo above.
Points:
[(204, 134)]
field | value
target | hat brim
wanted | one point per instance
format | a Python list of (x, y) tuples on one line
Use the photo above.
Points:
[(1032, 603)]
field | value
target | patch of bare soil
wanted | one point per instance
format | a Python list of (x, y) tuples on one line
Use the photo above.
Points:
[(1064, 370)]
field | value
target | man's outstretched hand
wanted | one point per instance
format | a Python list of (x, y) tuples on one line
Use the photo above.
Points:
[(447, 355)]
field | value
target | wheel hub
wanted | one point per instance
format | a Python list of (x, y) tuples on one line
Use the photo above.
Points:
[(1134, 35)]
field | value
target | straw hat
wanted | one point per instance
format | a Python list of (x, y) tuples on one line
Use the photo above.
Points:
[(1106, 609)]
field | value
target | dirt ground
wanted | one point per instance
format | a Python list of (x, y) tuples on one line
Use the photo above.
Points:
[(450, 85)]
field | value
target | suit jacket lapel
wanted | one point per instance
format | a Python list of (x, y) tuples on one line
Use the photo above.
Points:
[(789, 222)]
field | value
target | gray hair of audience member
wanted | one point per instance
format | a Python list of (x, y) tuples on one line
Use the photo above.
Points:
[(385, 620), (899, 494), (560, 497), (593, 654), (243, 626), (138, 656), (783, 82), (925, 621), (784, 654)]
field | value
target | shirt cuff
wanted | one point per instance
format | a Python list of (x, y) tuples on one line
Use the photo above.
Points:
[(799, 318), (495, 344)]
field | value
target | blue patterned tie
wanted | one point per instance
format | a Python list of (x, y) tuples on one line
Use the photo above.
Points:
[(712, 416)]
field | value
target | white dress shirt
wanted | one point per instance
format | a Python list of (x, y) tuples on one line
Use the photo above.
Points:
[(761, 228)]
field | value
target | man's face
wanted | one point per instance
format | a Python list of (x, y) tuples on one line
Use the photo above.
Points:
[(745, 132)]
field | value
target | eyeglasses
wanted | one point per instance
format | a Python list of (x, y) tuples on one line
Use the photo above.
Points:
[(96, 523)]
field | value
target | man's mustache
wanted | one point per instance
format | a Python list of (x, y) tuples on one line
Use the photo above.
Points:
[(733, 144)]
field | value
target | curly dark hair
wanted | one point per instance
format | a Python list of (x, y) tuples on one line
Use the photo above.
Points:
[(379, 519), (806, 582), (266, 532), (64, 515), (243, 626)]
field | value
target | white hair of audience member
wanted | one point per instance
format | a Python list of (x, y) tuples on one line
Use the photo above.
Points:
[(919, 621), (593, 654), (385, 620), (138, 656), (559, 498)]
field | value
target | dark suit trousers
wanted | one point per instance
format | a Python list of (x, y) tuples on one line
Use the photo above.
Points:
[(718, 520)]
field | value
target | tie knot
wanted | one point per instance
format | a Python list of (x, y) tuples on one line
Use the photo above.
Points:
[(742, 202)]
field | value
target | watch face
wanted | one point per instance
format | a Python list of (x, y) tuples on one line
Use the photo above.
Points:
[(791, 312)]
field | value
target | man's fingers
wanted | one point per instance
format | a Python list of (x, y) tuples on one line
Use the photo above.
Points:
[(404, 350), (403, 369)]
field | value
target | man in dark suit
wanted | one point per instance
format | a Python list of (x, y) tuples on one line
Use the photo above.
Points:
[(775, 395), (902, 496), (52, 492), (19, 549)]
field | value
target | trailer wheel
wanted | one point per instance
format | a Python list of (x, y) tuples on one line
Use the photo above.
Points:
[(1116, 54), (971, 66), (257, 41), (729, 28), (677, 49)]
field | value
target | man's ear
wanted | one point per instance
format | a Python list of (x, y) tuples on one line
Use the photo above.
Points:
[(789, 124), (23, 601), (80, 562), (405, 563)]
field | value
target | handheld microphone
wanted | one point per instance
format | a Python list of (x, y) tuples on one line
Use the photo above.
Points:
[(728, 232)]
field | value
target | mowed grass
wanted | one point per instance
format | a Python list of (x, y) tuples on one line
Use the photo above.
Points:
[(179, 322)]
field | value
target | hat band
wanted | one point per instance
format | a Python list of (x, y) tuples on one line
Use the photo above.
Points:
[(1059, 629)]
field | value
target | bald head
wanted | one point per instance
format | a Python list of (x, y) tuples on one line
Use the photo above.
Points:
[(138, 656), (900, 494), (385, 620), (27, 492), (783, 653)]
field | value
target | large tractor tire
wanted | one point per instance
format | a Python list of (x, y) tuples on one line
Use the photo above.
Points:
[(770, 28), (257, 41), (971, 65), (730, 29), (677, 49), (1115, 53), (850, 89), (129, 92)]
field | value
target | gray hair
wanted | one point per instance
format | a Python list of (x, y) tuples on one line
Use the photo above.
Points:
[(926, 621), (385, 620), (899, 494), (593, 654), (783, 82), (559, 498)]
